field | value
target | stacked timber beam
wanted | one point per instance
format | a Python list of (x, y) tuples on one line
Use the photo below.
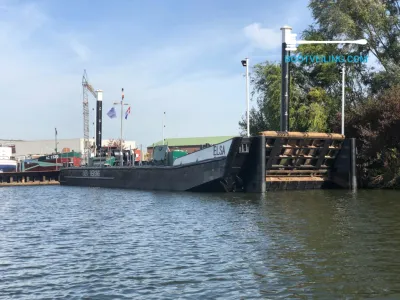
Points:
[(29, 178), (300, 160)]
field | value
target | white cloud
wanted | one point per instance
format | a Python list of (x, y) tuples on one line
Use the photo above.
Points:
[(41, 82), (263, 38), (82, 51)]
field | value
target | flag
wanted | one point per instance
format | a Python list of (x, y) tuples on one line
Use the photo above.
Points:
[(56, 130), (128, 111), (112, 114)]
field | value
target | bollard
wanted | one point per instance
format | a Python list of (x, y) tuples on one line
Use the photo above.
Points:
[(353, 164), (254, 176)]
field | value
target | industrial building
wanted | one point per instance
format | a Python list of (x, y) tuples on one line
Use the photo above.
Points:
[(21, 148), (189, 144)]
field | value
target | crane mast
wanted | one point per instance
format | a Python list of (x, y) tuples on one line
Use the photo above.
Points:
[(87, 87)]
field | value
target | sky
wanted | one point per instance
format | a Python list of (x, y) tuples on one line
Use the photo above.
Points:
[(179, 57)]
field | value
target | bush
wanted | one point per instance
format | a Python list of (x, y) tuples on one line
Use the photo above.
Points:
[(376, 125)]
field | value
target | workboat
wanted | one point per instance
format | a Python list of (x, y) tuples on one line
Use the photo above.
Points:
[(52, 162), (6, 163), (212, 169)]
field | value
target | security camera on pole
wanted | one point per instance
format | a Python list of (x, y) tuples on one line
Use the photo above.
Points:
[(289, 44)]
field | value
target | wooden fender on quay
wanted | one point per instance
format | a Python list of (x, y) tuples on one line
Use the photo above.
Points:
[(302, 160), (29, 178), (304, 135)]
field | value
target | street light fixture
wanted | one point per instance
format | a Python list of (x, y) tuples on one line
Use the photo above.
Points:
[(360, 42), (245, 63), (289, 43)]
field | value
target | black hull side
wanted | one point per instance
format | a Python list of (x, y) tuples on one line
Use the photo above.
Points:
[(180, 178), (214, 175)]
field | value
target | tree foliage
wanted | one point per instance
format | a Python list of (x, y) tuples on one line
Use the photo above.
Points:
[(376, 126), (309, 107), (375, 20), (372, 93)]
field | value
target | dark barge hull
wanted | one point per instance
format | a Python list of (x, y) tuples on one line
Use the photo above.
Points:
[(214, 175), (271, 161), (180, 178)]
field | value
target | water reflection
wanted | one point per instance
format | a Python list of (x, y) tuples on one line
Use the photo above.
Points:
[(335, 242), (66, 242)]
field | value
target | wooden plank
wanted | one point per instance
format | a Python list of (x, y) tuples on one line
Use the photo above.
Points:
[(286, 179), (322, 155), (304, 135), (297, 171), (297, 167)]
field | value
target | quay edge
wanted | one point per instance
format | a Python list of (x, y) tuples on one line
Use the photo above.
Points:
[(29, 178)]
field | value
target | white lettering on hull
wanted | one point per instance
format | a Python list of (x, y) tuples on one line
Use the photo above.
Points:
[(219, 150), (52, 157), (91, 173)]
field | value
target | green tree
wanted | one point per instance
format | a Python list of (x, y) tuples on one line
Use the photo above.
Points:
[(316, 88), (308, 109), (375, 20), (266, 80), (328, 75), (372, 94), (375, 124)]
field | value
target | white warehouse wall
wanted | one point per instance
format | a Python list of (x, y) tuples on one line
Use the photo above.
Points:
[(42, 147)]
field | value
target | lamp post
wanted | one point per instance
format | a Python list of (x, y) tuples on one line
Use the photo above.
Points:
[(289, 43), (163, 126), (122, 112), (55, 139), (245, 63), (56, 143)]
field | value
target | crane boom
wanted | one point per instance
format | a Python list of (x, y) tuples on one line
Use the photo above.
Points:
[(86, 87)]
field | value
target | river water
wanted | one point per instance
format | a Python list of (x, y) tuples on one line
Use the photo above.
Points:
[(91, 243)]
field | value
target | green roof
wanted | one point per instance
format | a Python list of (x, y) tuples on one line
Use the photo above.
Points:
[(194, 141)]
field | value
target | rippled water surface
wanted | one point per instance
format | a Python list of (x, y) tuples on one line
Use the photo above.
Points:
[(89, 243)]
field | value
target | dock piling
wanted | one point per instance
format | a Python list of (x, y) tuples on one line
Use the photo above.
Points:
[(29, 178)]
